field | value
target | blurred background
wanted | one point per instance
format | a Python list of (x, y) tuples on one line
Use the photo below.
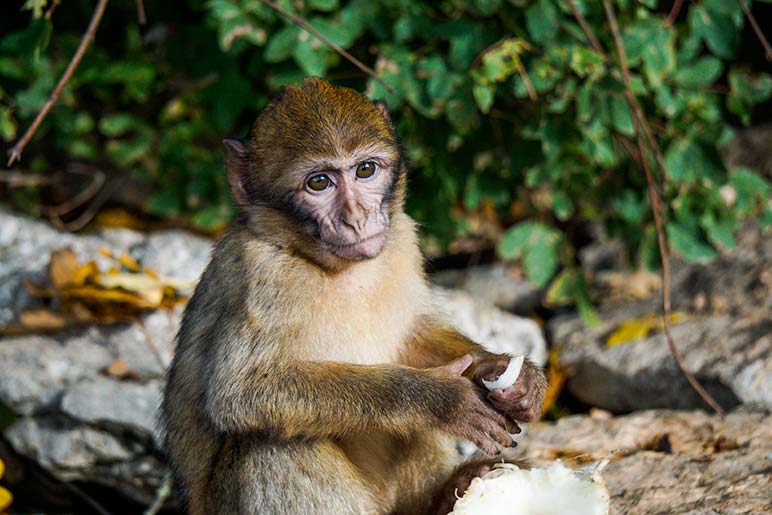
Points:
[(528, 137)]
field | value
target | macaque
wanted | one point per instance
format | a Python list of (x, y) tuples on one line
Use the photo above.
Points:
[(311, 373)]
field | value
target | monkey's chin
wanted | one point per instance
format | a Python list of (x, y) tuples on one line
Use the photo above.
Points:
[(367, 248)]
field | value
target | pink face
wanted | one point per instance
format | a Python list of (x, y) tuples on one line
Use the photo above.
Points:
[(345, 196)]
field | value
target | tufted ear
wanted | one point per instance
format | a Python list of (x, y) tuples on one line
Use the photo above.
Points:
[(384, 110), (237, 168)]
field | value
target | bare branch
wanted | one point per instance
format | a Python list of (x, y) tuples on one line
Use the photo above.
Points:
[(586, 28), (656, 209), (303, 24), (15, 153), (671, 18), (756, 29), (141, 18)]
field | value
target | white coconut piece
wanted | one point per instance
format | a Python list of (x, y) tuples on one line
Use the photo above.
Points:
[(509, 376), (509, 490)]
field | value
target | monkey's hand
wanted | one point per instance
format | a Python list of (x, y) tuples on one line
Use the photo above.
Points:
[(523, 400), (470, 416)]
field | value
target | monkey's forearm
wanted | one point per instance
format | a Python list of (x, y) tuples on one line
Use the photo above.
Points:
[(324, 399), (434, 344)]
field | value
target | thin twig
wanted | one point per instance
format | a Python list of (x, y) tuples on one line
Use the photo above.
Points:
[(141, 18), (51, 9), (15, 179), (97, 181), (656, 209), (161, 495), (671, 18), (756, 29), (88, 36), (526, 78), (629, 95), (586, 28), (300, 22)]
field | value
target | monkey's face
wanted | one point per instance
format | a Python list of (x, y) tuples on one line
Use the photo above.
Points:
[(343, 201), (323, 165)]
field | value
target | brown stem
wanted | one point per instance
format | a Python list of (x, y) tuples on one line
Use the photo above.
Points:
[(756, 29), (141, 18), (88, 36), (671, 18), (586, 28), (300, 22), (51, 9), (656, 209), (526, 79)]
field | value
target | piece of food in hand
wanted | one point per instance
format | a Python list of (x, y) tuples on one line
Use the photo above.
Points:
[(508, 378), (509, 490)]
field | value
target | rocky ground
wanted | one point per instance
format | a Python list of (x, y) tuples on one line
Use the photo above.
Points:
[(83, 434)]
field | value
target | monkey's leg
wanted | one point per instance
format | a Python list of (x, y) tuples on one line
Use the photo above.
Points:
[(445, 496), (254, 476)]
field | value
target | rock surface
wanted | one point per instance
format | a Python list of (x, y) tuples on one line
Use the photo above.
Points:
[(81, 423), (665, 461), (726, 339)]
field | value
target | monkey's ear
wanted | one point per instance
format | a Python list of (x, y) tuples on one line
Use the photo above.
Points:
[(384, 110), (237, 168)]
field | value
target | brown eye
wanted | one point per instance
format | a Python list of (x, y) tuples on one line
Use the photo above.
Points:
[(318, 182), (365, 170)]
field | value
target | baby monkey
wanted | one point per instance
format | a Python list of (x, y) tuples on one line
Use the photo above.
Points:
[(311, 373)]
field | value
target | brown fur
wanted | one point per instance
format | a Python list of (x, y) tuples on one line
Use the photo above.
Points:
[(305, 384)]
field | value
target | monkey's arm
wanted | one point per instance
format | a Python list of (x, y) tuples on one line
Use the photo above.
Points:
[(433, 343), (291, 398)]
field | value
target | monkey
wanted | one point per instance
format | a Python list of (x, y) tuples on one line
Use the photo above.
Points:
[(311, 372)]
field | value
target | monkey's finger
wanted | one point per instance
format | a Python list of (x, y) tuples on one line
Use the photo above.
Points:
[(459, 365)]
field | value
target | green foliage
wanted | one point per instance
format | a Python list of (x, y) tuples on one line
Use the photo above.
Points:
[(505, 109)]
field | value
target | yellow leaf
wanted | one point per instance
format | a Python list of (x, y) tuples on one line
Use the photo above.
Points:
[(151, 290), (106, 252), (6, 498), (2, 468), (129, 262), (41, 320), (63, 266), (84, 273), (641, 327), (556, 374)]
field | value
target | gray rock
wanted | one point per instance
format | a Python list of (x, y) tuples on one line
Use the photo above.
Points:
[(667, 461), (177, 254), (147, 350), (65, 446), (112, 403), (726, 340), (37, 369), (495, 329), (494, 284)]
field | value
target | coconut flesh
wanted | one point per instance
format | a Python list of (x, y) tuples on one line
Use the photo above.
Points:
[(509, 490), (508, 377)]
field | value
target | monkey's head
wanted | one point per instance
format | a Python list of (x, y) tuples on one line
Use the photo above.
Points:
[(321, 172)]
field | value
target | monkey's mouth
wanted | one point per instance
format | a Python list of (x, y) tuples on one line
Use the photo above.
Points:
[(365, 248)]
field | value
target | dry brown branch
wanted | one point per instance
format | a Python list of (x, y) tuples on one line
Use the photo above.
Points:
[(51, 9), (671, 18), (586, 28), (629, 95), (756, 29), (17, 179), (526, 79), (15, 153), (97, 181), (303, 24), (141, 18), (656, 209)]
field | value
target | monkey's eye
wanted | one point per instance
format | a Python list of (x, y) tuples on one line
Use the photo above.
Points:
[(318, 182), (366, 169)]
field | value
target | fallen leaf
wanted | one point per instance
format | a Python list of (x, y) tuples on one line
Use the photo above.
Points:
[(118, 368), (641, 327), (42, 320), (63, 267), (129, 262), (556, 375)]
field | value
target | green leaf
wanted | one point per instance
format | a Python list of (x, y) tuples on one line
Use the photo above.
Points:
[(751, 189), (701, 73), (484, 95), (685, 161), (323, 5), (537, 244), (310, 55), (717, 29), (720, 232), (687, 241), (281, 45), (747, 90), (8, 125), (621, 117), (541, 20)]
